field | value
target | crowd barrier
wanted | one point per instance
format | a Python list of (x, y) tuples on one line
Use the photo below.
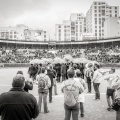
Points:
[(116, 65)]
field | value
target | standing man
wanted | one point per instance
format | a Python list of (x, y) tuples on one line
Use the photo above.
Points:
[(63, 71), (110, 91), (96, 82), (88, 75), (51, 76), (116, 85), (81, 96), (71, 90), (44, 84), (17, 104)]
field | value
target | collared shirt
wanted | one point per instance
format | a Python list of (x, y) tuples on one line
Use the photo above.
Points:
[(110, 78), (97, 77)]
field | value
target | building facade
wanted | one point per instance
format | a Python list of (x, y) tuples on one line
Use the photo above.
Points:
[(71, 30), (97, 15), (22, 32), (112, 27)]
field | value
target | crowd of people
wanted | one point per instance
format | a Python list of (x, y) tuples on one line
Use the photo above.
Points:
[(103, 55), (19, 104)]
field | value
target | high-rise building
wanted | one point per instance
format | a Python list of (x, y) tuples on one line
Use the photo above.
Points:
[(71, 30), (96, 16), (112, 27)]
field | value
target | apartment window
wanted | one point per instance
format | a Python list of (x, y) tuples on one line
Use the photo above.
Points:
[(95, 26), (99, 34), (95, 15), (103, 12), (110, 11), (99, 15), (59, 26), (95, 34), (103, 6), (59, 30), (95, 7), (14, 32), (95, 11), (95, 3), (115, 7), (110, 8), (64, 26), (115, 15), (115, 11), (14, 36), (95, 30), (99, 3), (96, 21), (10, 36), (11, 32), (110, 15)]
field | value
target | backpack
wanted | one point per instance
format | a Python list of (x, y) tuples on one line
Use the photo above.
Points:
[(41, 83), (71, 95)]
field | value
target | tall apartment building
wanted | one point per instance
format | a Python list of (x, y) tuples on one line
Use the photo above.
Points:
[(22, 32), (96, 16), (112, 27), (71, 30)]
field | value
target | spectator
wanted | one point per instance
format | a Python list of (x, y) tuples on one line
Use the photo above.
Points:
[(17, 104), (71, 90), (96, 82), (81, 96), (116, 85), (44, 84), (28, 83), (110, 91), (51, 76)]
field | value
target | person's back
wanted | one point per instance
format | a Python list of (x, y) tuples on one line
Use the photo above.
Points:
[(71, 90), (17, 104)]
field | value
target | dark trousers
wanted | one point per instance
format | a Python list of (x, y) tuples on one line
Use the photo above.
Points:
[(97, 92), (89, 84), (63, 77), (50, 94), (58, 77), (72, 110), (82, 107)]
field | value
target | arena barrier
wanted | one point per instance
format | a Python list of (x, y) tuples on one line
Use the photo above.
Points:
[(7, 65)]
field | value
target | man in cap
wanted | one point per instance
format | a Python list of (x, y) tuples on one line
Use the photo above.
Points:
[(17, 104), (71, 90)]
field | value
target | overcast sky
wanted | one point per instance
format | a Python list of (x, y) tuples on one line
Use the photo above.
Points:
[(43, 14)]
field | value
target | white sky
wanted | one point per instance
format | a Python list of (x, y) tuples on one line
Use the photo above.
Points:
[(43, 14)]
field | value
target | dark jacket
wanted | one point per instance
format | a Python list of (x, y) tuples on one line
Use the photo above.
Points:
[(51, 76), (18, 105), (28, 86), (32, 70)]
